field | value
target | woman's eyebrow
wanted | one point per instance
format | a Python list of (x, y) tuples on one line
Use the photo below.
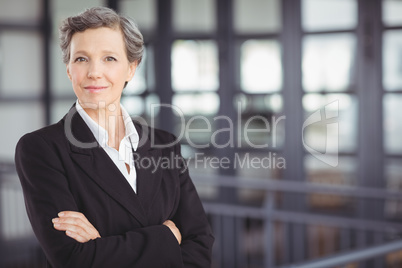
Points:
[(109, 52), (80, 52), (103, 52)]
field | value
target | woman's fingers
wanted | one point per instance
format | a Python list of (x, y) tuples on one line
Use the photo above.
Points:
[(174, 230), (77, 221), (75, 215), (77, 237), (76, 226), (71, 225)]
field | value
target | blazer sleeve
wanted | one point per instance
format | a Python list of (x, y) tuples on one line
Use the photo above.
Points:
[(190, 218), (46, 192)]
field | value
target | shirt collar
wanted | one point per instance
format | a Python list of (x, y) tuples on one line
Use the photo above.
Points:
[(131, 131), (101, 134)]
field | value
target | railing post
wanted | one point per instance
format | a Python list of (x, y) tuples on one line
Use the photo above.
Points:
[(370, 96), (269, 239), (293, 152)]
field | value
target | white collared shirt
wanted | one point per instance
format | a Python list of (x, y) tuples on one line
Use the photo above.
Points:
[(127, 145)]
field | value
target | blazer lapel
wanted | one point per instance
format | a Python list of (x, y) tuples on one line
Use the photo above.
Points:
[(90, 157), (148, 162)]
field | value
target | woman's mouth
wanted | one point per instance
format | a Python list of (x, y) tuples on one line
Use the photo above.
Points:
[(95, 89)]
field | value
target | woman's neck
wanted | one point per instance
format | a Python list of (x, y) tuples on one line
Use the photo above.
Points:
[(111, 119)]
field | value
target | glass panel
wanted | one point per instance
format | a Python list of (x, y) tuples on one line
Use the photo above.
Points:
[(143, 12), (392, 60), (268, 103), (261, 166), (29, 117), (328, 62), (59, 109), (391, 12), (257, 16), (194, 65), (139, 82), (61, 85), (199, 133), (393, 174), (21, 64), (392, 123), (323, 15), (331, 123), (198, 161), (14, 222), (194, 16), (133, 105), (324, 240), (193, 116), (261, 66), (262, 126), (150, 68), (63, 9), (150, 101), (152, 110), (319, 172), (199, 164), (17, 11), (198, 103)]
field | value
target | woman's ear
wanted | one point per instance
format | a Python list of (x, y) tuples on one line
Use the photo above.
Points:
[(131, 72), (68, 71)]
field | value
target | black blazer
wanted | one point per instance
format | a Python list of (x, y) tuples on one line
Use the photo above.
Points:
[(56, 176)]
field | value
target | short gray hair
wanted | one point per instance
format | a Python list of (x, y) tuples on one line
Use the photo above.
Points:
[(98, 17)]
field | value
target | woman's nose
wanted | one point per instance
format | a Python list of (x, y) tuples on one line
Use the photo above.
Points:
[(95, 70)]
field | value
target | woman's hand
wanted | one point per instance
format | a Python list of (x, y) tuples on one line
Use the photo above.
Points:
[(174, 230), (76, 226)]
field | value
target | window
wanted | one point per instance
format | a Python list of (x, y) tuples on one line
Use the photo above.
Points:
[(392, 99)]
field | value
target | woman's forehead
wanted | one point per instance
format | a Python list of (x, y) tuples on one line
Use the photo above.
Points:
[(99, 39)]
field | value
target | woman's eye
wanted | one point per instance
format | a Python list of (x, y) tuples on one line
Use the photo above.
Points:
[(110, 59), (80, 59)]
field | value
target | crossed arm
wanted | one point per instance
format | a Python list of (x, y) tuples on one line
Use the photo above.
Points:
[(77, 226), (47, 193)]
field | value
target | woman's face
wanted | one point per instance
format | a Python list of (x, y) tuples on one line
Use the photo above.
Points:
[(98, 66)]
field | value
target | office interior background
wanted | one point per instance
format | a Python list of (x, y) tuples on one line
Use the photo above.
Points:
[(316, 84)]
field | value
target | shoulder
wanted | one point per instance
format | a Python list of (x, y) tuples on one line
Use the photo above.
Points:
[(49, 134), (38, 145)]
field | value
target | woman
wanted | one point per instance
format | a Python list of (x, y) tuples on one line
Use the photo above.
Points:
[(99, 191)]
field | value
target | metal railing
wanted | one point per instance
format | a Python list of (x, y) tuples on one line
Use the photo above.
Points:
[(269, 214), (351, 256)]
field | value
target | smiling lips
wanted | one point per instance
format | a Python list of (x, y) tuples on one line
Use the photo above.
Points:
[(95, 89)]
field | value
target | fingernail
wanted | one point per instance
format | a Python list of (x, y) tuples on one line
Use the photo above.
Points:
[(55, 220), (61, 214), (57, 224)]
